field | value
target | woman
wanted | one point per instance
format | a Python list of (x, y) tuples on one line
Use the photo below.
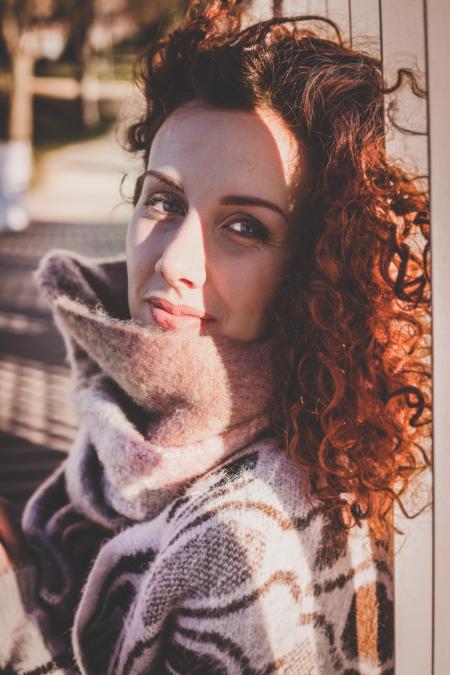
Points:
[(249, 384)]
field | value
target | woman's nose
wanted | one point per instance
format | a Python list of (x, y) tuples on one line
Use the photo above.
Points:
[(182, 262)]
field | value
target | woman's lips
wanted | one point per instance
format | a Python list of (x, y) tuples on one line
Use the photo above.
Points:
[(173, 317)]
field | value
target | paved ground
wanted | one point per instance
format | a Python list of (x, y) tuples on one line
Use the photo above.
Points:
[(72, 207)]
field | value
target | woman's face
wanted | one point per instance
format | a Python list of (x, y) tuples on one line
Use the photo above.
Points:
[(207, 241)]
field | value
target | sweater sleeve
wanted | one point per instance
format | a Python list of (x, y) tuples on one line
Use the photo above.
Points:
[(23, 647)]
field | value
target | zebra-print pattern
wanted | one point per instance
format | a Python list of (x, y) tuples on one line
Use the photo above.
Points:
[(244, 578)]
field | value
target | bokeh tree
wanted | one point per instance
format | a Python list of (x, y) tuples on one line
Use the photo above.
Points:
[(101, 24), (35, 29), (29, 29)]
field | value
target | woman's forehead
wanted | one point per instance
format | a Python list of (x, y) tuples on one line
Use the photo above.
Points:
[(232, 147)]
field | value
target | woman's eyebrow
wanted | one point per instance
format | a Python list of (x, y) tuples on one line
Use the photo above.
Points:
[(244, 200), (241, 200), (171, 182)]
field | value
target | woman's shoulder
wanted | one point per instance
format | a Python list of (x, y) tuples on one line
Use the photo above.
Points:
[(258, 479), (261, 495)]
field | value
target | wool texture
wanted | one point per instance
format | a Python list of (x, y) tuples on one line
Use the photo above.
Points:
[(177, 537)]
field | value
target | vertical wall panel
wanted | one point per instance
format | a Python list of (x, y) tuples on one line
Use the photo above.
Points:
[(334, 9), (338, 12), (365, 25), (304, 7), (259, 10), (438, 15), (404, 47), (403, 42)]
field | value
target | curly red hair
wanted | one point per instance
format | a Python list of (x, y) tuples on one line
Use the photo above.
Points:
[(353, 379)]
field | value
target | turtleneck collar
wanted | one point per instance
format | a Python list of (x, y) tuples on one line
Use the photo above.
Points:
[(157, 408)]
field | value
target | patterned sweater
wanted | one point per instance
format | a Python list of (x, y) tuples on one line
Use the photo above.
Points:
[(204, 557)]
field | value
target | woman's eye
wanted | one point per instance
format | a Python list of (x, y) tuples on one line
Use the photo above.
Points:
[(164, 203), (249, 229)]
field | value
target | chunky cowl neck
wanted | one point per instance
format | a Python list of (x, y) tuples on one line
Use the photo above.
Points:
[(157, 408)]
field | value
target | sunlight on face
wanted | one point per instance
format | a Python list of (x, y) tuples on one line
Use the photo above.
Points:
[(207, 241)]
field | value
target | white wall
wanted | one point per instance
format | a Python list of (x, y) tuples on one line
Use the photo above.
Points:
[(438, 22), (403, 46)]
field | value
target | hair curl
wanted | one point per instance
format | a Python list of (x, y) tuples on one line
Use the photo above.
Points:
[(353, 378)]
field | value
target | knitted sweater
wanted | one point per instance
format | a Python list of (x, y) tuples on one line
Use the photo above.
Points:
[(177, 537)]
